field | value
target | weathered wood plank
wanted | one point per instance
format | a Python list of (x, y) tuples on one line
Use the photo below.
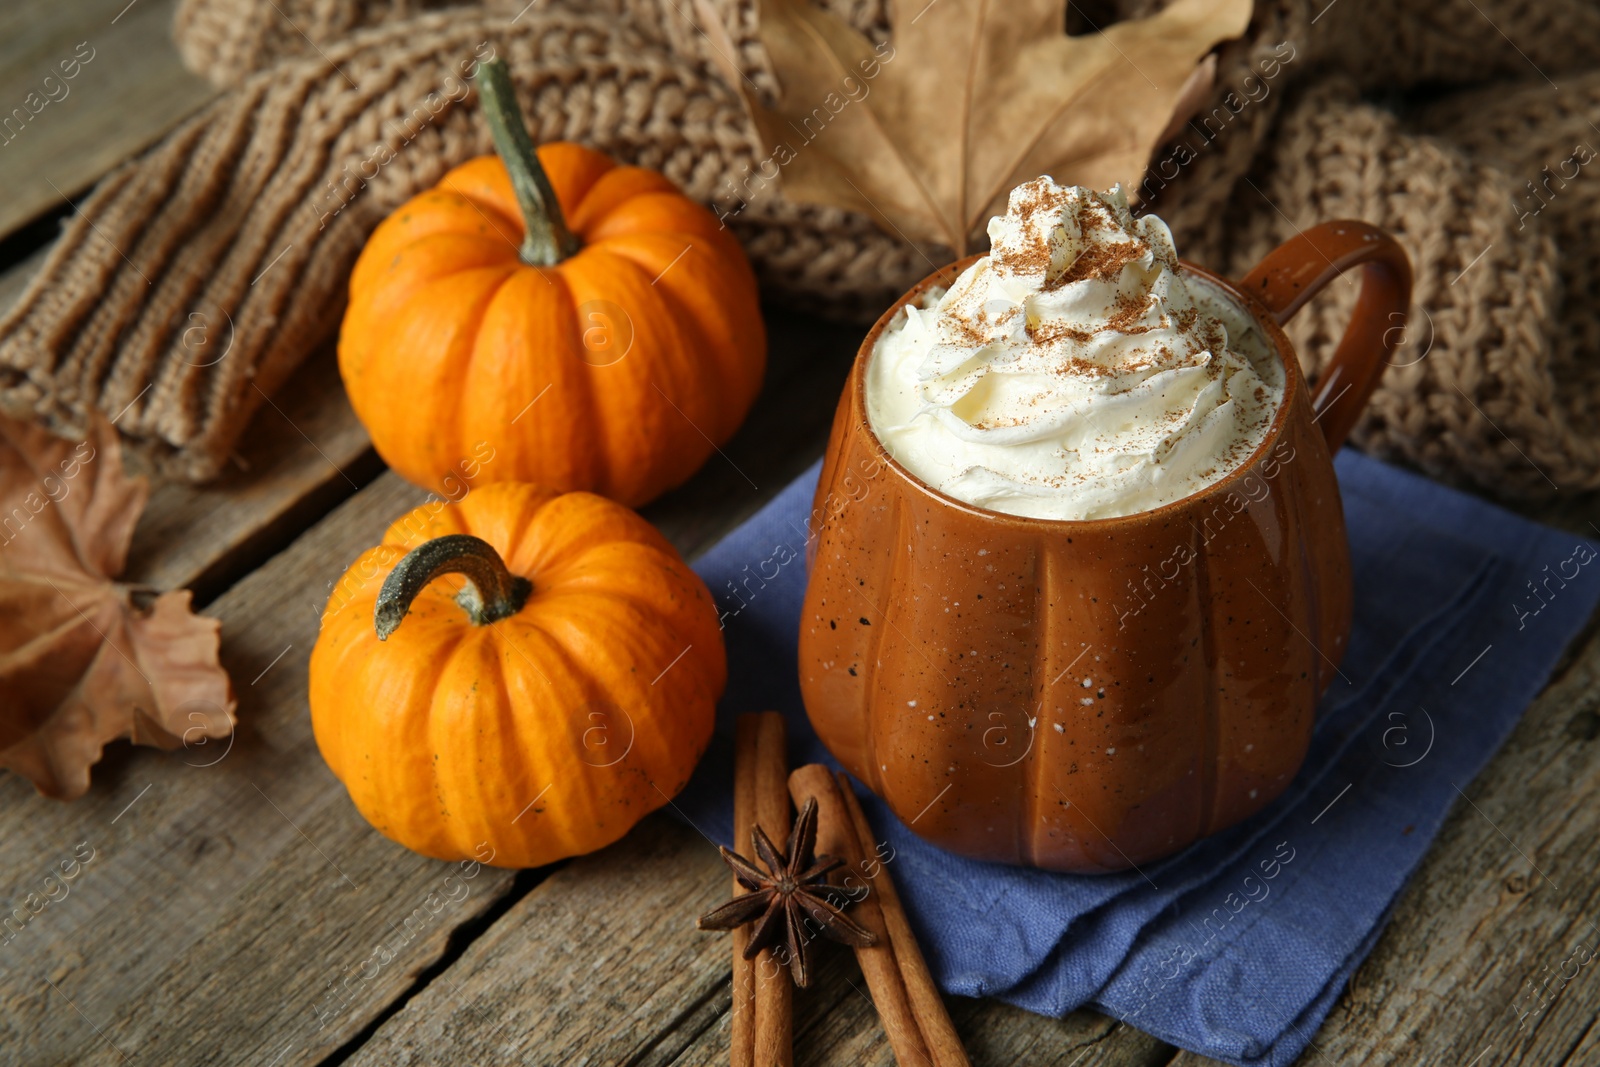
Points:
[(229, 912), (596, 965), (838, 1024), (999, 1034), (601, 964), (303, 453), (127, 87)]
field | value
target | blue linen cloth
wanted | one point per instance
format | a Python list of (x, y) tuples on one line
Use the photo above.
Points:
[(1237, 947)]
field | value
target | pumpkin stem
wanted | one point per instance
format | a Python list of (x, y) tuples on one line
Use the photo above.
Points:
[(547, 241), (491, 593)]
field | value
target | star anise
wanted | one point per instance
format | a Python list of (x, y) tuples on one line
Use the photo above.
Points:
[(791, 902)]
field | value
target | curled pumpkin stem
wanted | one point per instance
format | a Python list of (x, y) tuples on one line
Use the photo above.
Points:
[(547, 239), (492, 592)]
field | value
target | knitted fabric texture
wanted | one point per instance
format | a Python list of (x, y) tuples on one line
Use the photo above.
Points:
[(195, 278)]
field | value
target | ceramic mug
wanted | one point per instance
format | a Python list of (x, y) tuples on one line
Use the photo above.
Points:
[(1089, 695)]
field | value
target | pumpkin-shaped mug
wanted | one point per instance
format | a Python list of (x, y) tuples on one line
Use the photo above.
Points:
[(1090, 695)]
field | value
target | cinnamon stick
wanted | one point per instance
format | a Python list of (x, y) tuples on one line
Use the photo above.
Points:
[(743, 1046), (837, 836), (774, 993), (944, 1044)]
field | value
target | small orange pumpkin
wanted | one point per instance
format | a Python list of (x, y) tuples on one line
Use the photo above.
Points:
[(611, 356), (539, 708)]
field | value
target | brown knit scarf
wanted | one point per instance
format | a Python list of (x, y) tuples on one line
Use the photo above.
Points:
[(198, 276)]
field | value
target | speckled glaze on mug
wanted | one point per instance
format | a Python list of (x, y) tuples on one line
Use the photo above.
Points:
[(1087, 696)]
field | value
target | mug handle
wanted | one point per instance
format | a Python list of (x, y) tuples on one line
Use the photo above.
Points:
[(1300, 268)]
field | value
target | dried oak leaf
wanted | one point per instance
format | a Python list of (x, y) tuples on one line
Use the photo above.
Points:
[(929, 133), (85, 659)]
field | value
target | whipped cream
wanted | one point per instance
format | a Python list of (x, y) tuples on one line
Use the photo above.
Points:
[(1074, 372)]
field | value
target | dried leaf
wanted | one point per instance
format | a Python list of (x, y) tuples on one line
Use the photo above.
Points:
[(85, 659), (1192, 95), (930, 132)]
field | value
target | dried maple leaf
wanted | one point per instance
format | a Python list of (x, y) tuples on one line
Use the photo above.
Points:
[(929, 132), (85, 659)]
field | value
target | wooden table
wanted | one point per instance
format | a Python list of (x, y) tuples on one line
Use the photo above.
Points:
[(235, 900)]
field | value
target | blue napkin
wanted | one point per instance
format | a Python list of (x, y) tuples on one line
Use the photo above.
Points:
[(1237, 947)]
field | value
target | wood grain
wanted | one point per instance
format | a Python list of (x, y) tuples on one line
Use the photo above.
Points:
[(235, 899), (132, 90), (601, 964), (303, 453)]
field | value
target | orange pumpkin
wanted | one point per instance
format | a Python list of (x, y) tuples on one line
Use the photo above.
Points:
[(609, 344), (516, 678)]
